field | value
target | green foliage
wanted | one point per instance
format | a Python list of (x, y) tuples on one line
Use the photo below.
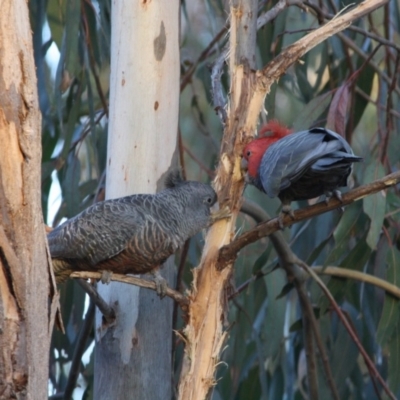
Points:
[(264, 355)]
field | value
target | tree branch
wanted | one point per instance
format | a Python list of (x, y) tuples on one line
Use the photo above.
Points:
[(229, 252), (308, 338), (79, 349), (107, 311), (295, 51), (271, 13), (132, 280), (359, 276), (291, 54)]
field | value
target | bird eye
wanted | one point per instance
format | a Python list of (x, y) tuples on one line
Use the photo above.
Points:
[(248, 153), (209, 200)]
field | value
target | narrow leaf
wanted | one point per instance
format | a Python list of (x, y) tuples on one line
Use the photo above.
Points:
[(312, 111), (338, 110), (275, 317), (374, 205), (391, 311), (343, 232), (394, 361)]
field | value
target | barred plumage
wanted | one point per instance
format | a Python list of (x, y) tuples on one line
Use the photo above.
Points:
[(132, 234)]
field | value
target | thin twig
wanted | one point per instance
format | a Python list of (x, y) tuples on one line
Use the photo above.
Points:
[(209, 50), (199, 162), (181, 156), (272, 13), (218, 65), (350, 43), (91, 58), (293, 52), (307, 311), (389, 104), (364, 95), (107, 311), (204, 54), (132, 280), (308, 5), (79, 349)]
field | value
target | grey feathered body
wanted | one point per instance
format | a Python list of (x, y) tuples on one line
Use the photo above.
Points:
[(305, 165), (132, 234)]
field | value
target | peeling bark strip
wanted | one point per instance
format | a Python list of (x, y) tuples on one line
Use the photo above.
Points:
[(205, 334), (24, 269)]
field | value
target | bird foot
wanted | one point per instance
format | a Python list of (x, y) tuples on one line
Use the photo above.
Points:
[(286, 210), (106, 277), (161, 283), (223, 213), (337, 194)]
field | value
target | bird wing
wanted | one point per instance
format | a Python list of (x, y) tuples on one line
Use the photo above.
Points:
[(102, 231), (289, 158), (335, 160)]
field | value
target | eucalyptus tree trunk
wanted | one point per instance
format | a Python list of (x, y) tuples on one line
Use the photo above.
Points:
[(24, 266), (205, 333), (133, 357)]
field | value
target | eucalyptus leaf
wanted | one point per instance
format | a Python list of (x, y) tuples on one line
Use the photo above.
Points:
[(374, 205), (311, 112), (275, 315), (390, 317)]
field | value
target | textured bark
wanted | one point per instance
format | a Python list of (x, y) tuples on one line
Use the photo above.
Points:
[(134, 356), (24, 267), (205, 332)]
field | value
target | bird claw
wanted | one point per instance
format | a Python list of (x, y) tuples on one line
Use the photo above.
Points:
[(161, 283), (337, 194), (280, 222), (222, 213), (286, 210), (106, 276)]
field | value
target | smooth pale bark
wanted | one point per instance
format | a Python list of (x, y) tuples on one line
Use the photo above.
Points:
[(24, 267), (133, 358)]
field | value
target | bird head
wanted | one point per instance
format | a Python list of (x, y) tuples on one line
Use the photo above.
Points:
[(254, 151)]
